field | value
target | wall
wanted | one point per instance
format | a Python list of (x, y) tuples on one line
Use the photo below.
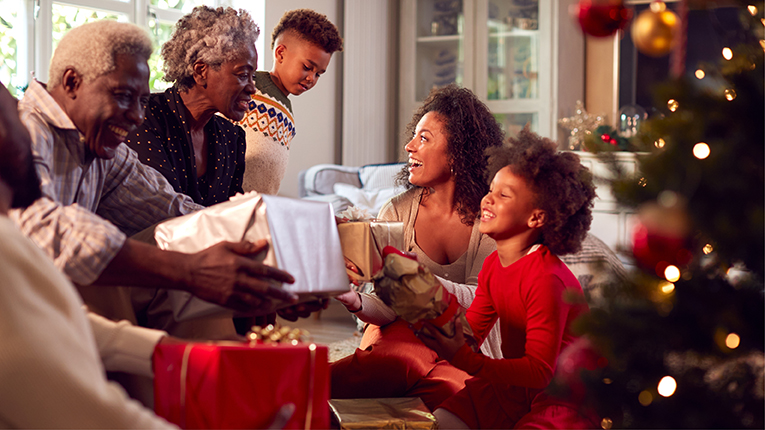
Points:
[(370, 133), (602, 76)]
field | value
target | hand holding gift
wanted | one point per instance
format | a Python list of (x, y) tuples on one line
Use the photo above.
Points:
[(414, 294), (362, 239), (294, 230), (225, 274)]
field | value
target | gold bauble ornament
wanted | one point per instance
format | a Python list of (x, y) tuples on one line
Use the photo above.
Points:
[(653, 32)]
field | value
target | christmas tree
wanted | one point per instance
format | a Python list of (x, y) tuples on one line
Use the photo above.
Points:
[(680, 343)]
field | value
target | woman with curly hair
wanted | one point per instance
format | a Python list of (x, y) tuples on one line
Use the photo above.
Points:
[(446, 180), (539, 206), (303, 43), (211, 59)]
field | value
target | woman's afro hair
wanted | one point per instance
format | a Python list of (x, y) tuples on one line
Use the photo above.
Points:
[(471, 129)]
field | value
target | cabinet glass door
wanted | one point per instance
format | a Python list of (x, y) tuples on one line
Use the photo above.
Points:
[(513, 50), (440, 47), (512, 62)]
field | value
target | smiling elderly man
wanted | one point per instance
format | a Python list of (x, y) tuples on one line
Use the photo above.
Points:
[(96, 193)]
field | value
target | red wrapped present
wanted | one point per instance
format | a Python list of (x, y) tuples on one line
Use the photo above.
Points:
[(238, 385)]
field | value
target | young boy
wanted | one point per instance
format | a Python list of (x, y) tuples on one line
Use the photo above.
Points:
[(538, 206), (303, 43)]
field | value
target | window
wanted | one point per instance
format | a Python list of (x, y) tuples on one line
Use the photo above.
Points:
[(709, 30), (31, 29)]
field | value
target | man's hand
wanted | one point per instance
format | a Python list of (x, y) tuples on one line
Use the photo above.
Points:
[(226, 274), (302, 310), (445, 347)]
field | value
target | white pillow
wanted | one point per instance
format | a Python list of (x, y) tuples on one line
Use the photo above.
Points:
[(371, 200)]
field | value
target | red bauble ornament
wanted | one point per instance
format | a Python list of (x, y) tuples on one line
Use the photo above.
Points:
[(661, 238), (601, 18), (579, 356)]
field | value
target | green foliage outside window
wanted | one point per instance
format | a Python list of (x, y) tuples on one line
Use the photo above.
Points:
[(8, 46)]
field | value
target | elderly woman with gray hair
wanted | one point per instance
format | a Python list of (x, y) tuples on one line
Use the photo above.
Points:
[(210, 58)]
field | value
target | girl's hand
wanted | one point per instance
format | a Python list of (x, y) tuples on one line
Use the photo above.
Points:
[(446, 347), (351, 300)]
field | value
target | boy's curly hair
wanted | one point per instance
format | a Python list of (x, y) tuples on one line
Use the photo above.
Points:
[(471, 129), (310, 26), (563, 187)]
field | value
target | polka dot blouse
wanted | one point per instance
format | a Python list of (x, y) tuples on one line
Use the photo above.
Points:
[(163, 142)]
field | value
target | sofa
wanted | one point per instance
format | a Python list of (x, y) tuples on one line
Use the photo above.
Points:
[(367, 187), (370, 186)]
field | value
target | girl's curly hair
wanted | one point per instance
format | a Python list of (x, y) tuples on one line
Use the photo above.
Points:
[(310, 26), (208, 35), (471, 129), (563, 187)]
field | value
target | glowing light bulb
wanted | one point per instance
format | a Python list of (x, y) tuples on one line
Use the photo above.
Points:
[(606, 423), (730, 94), (659, 143), (727, 53), (708, 248), (762, 20), (762, 43), (667, 386), (645, 398), (700, 74), (732, 341), (658, 6), (607, 381), (752, 9), (672, 273), (701, 150), (672, 104), (642, 182), (667, 287)]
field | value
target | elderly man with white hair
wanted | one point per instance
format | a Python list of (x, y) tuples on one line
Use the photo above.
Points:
[(54, 353), (96, 193)]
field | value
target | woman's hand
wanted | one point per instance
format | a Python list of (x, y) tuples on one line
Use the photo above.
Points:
[(446, 347)]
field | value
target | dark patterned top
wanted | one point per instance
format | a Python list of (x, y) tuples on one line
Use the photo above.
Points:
[(163, 142)]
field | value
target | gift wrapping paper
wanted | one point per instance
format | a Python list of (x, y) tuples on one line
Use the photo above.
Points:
[(302, 240), (362, 243), (228, 385), (384, 413)]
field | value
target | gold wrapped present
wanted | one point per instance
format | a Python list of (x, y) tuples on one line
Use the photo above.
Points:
[(384, 413), (415, 295), (362, 243)]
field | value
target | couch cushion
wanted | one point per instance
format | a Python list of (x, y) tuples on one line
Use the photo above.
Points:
[(370, 200), (319, 179), (375, 176)]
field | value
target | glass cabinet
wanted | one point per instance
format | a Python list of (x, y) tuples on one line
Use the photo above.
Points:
[(500, 49)]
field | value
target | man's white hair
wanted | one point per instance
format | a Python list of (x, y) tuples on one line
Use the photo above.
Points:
[(91, 49)]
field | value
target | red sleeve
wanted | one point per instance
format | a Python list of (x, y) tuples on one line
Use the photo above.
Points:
[(546, 315)]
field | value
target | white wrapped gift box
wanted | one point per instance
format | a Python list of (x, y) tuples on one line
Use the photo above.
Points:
[(302, 238)]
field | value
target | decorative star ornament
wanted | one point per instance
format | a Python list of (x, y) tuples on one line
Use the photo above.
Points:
[(580, 125)]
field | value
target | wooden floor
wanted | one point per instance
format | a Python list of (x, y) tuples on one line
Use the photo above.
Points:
[(331, 325)]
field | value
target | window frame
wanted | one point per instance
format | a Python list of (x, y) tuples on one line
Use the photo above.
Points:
[(39, 28)]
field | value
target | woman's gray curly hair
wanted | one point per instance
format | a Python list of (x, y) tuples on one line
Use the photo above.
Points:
[(209, 35), (91, 49)]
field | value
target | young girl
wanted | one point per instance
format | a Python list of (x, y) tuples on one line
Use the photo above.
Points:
[(538, 207)]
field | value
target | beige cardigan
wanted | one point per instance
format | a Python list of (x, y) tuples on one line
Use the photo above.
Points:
[(403, 207)]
